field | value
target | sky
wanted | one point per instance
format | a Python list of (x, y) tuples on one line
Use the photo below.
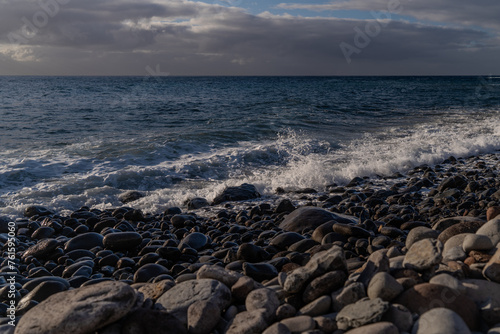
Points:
[(240, 37)]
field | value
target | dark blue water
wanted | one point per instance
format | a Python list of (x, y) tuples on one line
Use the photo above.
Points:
[(69, 141)]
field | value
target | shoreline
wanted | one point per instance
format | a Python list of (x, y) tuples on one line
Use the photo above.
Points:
[(274, 263)]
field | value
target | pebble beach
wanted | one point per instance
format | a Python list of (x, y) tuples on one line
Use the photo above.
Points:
[(405, 253)]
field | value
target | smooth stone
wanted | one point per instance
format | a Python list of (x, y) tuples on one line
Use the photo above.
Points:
[(378, 328), (285, 240), (326, 322), (377, 262), (324, 285), (312, 217), (251, 253), (425, 296), (284, 206), (248, 322), (492, 212), (423, 255), (319, 264), (33, 283), (194, 240), (265, 299), (322, 230), (43, 232), (384, 286), (420, 233), (202, 317), (149, 271), (477, 242), (87, 241), (197, 203), (348, 295), (228, 277), (492, 269), (242, 193), (455, 241), (130, 196), (447, 280), (285, 311), (350, 230), (42, 249), (299, 323), (277, 328), (178, 299), (362, 312), (454, 254), (317, 307), (260, 271), (120, 241), (242, 287), (42, 292), (464, 227), (400, 316), (439, 321), (154, 291), (144, 320), (491, 229), (99, 304), (445, 223), (455, 181)]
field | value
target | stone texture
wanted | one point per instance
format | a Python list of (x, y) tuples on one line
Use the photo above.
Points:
[(202, 317), (384, 286), (248, 322), (423, 255), (364, 311), (400, 316), (265, 299), (311, 217), (178, 299), (319, 264), (99, 304), (492, 212), (378, 328), (299, 324), (492, 230), (326, 322), (154, 291), (277, 328), (470, 226), (323, 285), (87, 240), (317, 307), (122, 241), (477, 242), (348, 295), (438, 321), (228, 277), (42, 249), (426, 296), (420, 233)]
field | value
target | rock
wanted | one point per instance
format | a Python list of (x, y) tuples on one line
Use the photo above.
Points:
[(491, 229), (420, 233), (149, 271), (251, 253), (228, 277), (194, 240), (120, 241), (147, 321), (384, 286), (202, 317), (42, 249), (242, 193), (277, 328), (456, 181), (438, 321), (311, 217), (363, 312), (285, 205), (285, 311), (322, 230), (197, 203), (492, 212), (348, 295), (378, 328), (178, 299), (242, 287), (326, 323), (445, 223), (350, 230), (317, 307), (449, 281), (377, 262), (154, 291), (423, 255), (99, 304), (265, 299), (248, 322), (426, 296), (400, 316), (477, 242), (87, 241), (260, 271), (130, 196), (319, 264), (299, 324), (492, 269), (35, 210), (285, 240), (463, 227), (4, 224), (323, 285)]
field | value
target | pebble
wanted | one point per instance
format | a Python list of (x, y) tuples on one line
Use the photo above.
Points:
[(277, 328), (400, 316), (228, 277), (310, 218), (440, 320), (202, 317), (492, 269), (364, 311), (299, 323), (424, 254), (348, 295), (420, 233), (378, 328), (248, 322), (384, 286), (194, 240), (243, 192), (148, 272), (477, 242), (491, 229), (87, 240), (265, 299), (317, 307), (99, 304), (120, 241), (323, 285)]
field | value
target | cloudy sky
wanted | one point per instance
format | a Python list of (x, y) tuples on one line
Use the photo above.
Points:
[(245, 37)]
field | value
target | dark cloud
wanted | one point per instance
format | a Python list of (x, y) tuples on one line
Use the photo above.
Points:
[(194, 38)]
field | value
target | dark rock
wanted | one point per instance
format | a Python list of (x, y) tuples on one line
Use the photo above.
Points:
[(311, 217), (284, 240), (457, 181), (149, 271), (43, 249), (84, 241), (146, 321), (285, 205), (463, 227), (259, 271), (242, 193), (194, 240), (130, 196), (351, 230), (252, 253), (122, 240), (197, 203), (35, 210)]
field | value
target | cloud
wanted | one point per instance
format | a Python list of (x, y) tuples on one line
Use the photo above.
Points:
[(120, 37)]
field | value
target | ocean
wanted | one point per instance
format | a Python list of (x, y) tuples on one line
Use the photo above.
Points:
[(66, 142)]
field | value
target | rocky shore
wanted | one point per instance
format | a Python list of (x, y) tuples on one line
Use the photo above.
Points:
[(415, 253)]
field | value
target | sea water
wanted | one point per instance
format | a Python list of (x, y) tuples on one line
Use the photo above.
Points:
[(72, 141)]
